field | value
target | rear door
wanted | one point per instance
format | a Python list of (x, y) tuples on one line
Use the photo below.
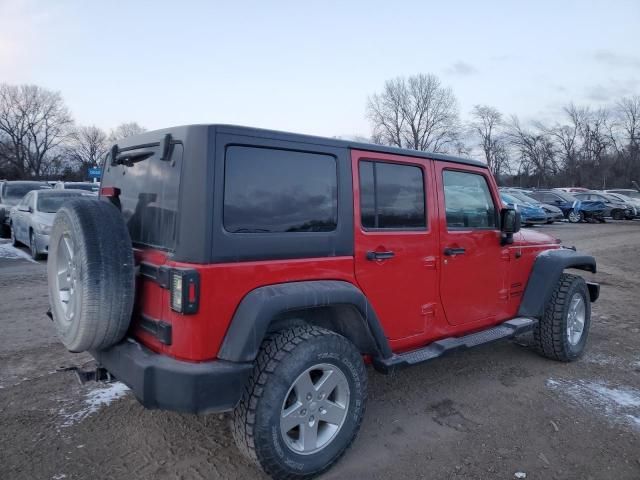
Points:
[(473, 263), (395, 240)]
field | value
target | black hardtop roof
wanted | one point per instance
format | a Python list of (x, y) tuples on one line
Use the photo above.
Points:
[(296, 137)]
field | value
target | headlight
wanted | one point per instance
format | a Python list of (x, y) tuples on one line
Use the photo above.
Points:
[(44, 228)]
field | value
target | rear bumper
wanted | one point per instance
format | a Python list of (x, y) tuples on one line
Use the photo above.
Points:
[(162, 382)]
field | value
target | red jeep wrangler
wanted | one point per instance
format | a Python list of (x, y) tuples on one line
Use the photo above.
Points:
[(227, 268)]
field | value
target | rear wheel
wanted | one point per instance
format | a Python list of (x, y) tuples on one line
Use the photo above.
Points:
[(562, 332), (575, 216), (304, 402)]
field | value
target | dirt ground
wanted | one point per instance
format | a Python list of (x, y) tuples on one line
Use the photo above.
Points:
[(485, 413)]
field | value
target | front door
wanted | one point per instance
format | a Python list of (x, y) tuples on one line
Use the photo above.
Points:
[(473, 263), (395, 241)]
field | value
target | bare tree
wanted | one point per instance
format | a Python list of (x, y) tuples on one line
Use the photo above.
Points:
[(34, 122), (486, 125), (415, 112), (88, 146), (536, 149), (125, 130)]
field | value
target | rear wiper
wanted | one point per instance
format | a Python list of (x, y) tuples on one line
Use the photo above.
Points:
[(130, 155)]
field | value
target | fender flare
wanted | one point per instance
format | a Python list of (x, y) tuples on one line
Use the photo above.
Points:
[(545, 275), (260, 307)]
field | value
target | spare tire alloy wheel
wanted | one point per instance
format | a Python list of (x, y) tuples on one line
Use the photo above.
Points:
[(90, 274)]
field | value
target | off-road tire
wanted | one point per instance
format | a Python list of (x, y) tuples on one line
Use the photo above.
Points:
[(103, 273), (281, 359), (550, 335)]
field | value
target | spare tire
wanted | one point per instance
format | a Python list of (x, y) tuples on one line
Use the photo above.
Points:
[(90, 274)]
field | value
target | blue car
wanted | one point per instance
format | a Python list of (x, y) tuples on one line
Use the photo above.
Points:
[(530, 214), (574, 210)]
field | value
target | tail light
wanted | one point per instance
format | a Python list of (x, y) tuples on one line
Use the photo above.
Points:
[(184, 286)]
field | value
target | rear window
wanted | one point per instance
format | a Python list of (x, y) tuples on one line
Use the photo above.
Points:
[(149, 193), (274, 191), (52, 203), (13, 192)]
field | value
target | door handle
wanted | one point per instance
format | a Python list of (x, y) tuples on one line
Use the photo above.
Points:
[(380, 255), (452, 252)]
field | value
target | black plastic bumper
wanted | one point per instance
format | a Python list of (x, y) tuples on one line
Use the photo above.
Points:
[(162, 382)]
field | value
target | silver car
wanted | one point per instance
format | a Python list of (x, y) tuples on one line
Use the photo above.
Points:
[(31, 219)]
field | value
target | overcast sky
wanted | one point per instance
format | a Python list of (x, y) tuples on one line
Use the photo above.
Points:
[(309, 66)]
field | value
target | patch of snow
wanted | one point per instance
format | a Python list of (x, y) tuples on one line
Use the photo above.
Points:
[(59, 476), (94, 401), (10, 252), (620, 404)]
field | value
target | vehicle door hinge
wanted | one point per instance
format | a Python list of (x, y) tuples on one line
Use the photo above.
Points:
[(429, 262), (428, 310)]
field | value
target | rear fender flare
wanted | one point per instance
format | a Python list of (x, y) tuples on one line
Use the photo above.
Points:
[(265, 305), (545, 275)]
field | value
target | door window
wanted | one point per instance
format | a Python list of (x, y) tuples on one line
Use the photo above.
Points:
[(468, 201), (392, 196)]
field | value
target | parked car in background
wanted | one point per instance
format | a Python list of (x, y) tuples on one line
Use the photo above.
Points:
[(573, 209), (86, 186), (529, 213), (31, 219), (629, 192), (572, 189), (615, 208), (10, 194), (554, 214), (635, 202)]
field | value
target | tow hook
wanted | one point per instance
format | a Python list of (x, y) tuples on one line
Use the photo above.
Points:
[(99, 374)]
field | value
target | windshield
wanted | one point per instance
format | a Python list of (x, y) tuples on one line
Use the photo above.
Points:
[(506, 198), (632, 194), (51, 203), (565, 196), (524, 198), (13, 193)]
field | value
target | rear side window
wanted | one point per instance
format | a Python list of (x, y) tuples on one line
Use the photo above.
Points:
[(273, 191), (391, 196), (468, 200), (149, 197)]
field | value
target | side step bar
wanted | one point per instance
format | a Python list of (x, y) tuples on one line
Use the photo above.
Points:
[(508, 329)]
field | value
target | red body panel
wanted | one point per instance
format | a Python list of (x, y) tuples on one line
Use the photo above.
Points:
[(222, 286), (420, 295)]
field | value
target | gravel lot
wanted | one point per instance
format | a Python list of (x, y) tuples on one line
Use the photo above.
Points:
[(485, 413)]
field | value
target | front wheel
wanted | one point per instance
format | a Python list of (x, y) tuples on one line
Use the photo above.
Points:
[(14, 240), (33, 247), (562, 332), (303, 404)]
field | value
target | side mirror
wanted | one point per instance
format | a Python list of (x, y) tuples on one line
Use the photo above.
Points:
[(509, 224)]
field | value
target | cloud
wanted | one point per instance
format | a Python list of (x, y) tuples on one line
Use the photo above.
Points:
[(613, 90), (613, 59), (462, 68)]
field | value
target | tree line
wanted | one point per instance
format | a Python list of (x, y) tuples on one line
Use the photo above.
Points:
[(40, 140), (585, 146)]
